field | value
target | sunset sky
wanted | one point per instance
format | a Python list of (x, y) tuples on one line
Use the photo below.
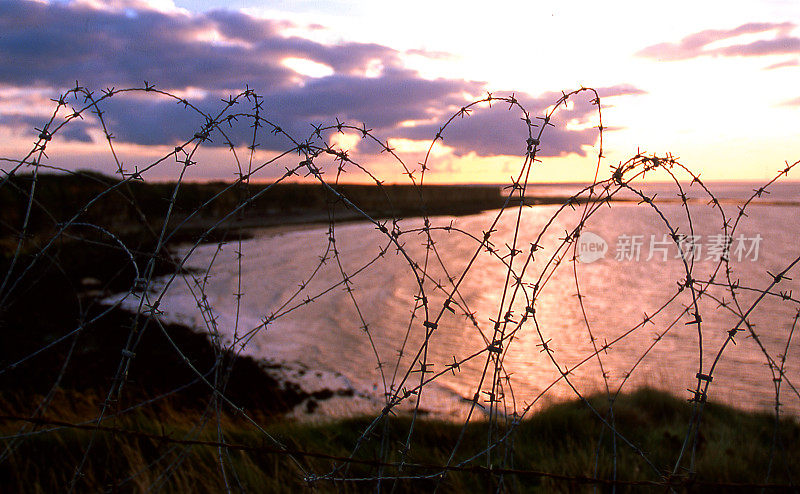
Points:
[(716, 84)]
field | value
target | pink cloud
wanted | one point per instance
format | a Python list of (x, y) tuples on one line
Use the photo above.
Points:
[(785, 63), (696, 45)]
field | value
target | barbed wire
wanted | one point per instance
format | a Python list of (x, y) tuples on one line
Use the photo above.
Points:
[(38, 233), (438, 469)]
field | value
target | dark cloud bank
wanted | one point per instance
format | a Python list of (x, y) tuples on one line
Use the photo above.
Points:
[(53, 45)]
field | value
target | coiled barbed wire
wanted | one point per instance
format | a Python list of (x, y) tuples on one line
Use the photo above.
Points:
[(404, 381)]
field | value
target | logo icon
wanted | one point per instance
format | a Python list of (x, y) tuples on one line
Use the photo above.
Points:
[(591, 247)]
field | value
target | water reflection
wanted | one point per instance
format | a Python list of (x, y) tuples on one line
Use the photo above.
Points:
[(634, 311)]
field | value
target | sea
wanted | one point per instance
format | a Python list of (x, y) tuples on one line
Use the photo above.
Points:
[(562, 301)]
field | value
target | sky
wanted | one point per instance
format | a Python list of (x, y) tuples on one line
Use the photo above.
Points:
[(716, 84)]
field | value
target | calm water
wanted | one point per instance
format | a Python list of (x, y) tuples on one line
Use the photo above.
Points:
[(322, 342)]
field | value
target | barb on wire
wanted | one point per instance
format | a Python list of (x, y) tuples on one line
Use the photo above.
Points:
[(125, 301)]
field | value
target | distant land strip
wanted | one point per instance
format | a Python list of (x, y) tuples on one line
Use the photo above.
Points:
[(199, 206)]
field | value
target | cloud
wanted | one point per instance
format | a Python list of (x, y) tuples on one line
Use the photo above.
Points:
[(55, 44), (699, 44), (438, 55), (785, 63), (500, 131), (215, 54), (793, 102), (619, 90), (74, 131), (381, 102)]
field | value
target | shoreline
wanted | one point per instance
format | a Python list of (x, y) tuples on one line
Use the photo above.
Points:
[(561, 438), (304, 220)]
